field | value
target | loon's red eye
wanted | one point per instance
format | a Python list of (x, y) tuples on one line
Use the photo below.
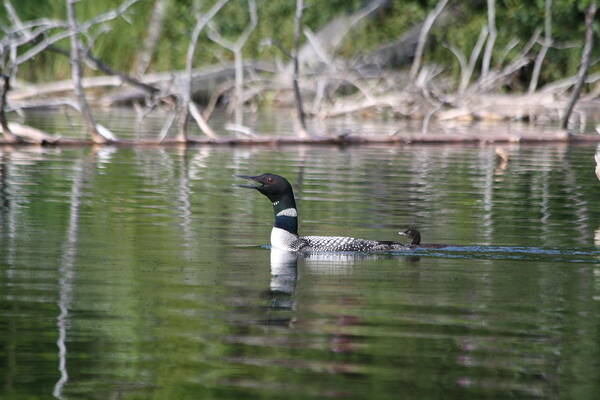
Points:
[(269, 180)]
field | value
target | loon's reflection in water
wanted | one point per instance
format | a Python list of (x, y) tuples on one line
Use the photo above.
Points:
[(284, 274)]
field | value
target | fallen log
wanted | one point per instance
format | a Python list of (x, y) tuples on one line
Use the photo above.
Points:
[(31, 135), (498, 107), (23, 92), (203, 81), (557, 136)]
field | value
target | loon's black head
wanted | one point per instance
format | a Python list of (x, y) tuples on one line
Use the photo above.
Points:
[(275, 187), (413, 234), (280, 192)]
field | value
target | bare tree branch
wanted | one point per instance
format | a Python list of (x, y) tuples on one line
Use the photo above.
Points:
[(166, 127), (460, 57), (427, 24), (492, 33), (507, 49), (297, 95), (186, 89), (537, 66), (144, 57), (467, 72), (41, 46), (22, 33), (81, 28), (563, 85), (109, 15), (585, 62), (317, 47), (77, 74), (6, 132), (522, 59), (96, 63), (202, 124), (236, 48)]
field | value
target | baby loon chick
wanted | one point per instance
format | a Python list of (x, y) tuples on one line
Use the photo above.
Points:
[(415, 235), (284, 234)]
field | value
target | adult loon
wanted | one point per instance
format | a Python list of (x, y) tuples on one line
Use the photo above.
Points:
[(284, 234), (415, 235)]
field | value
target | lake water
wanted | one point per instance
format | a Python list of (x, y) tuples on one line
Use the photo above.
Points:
[(135, 273)]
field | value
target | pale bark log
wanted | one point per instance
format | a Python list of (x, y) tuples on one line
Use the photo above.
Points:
[(32, 135), (43, 104), (202, 124), (60, 87), (467, 136), (244, 130), (17, 133)]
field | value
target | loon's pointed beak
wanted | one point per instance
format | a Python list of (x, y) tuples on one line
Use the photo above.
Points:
[(403, 233), (252, 178)]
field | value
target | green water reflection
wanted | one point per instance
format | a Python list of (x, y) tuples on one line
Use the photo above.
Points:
[(138, 273)]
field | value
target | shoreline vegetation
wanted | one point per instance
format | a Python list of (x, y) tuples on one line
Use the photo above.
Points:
[(492, 76)]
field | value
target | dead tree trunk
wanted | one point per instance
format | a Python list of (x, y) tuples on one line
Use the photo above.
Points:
[(491, 40), (467, 68), (537, 67), (144, 57), (6, 132), (585, 62), (297, 95), (429, 21), (185, 100), (77, 75), (236, 48)]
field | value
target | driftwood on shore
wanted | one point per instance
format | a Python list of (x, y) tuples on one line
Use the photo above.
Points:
[(204, 81), (316, 82), (404, 138)]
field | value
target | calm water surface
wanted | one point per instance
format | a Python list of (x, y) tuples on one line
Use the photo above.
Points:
[(142, 273)]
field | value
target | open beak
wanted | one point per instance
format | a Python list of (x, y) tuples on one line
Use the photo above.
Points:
[(252, 178)]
